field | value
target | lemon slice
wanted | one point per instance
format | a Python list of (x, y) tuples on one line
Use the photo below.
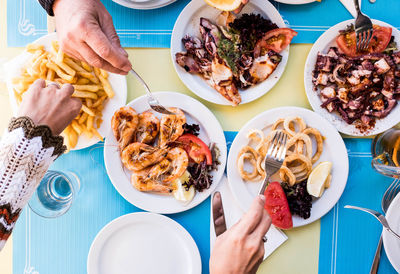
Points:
[(318, 177), (181, 194), (224, 5)]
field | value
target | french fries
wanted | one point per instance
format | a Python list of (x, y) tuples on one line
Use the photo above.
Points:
[(91, 87)]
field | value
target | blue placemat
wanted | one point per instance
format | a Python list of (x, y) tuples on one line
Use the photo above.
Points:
[(26, 20), (349, 238)]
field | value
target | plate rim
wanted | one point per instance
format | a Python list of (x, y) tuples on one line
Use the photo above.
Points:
[(43, 40), (137, 6), (195, 5), (339, 123), (232, 161), (387, 236), (291, 3), (216, 181), (153, 217)]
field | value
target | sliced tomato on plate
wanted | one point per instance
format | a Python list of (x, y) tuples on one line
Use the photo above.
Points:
[(277, 206), (381, 37), (276, 40), (197, 150)]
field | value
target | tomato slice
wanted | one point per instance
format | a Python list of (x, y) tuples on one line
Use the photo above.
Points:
[(197, 150), (277, 206), (276, 40), (381, 37)]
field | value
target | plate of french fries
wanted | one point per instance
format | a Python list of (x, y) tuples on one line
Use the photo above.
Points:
[(101, 92)]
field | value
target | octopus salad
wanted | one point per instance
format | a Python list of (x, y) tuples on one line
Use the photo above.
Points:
[(360, 86), (164, 155), (234, 53)]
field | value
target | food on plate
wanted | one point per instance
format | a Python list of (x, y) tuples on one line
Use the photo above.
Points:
[(305, 146), (226, 5), (319, 179), (91, 87), (164, 155), (235, 52), (359, 86), (277, 206)]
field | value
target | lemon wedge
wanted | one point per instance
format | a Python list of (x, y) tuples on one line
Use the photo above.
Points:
[(181, 194), (224, 5), (318, 178)]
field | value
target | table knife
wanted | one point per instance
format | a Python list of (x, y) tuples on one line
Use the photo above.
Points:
[(218, 214)]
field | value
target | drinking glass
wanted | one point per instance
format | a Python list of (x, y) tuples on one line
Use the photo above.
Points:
[(55, 194), (386, 153)]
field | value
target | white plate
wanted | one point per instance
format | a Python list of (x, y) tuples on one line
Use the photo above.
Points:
[(295, 2), (210, 131), (324, 42), (188, 23), (391, 243), (144, 4), (143, 243), (334, 151), (118, 83)]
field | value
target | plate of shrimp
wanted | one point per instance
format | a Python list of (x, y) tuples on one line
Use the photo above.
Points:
[(165, 163)]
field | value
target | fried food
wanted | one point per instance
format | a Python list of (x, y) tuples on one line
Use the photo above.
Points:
[(300, 155), (91, 87)]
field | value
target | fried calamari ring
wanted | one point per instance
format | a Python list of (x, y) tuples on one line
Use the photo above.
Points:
[(287, 175), (291, 158), (319, 139), (256, 136), (292, 131), (301, 137), (275, 126), (260, 166), (248, 153)]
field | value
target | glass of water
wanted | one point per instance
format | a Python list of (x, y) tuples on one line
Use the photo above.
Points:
[(55, 194), (386, 153)]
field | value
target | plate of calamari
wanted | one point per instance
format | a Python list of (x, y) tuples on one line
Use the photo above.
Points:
[(165, 163), (230, 59), (313, 174)]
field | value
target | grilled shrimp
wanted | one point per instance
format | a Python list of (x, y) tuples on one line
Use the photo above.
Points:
[(141, 181), (148, 127), (171, 126), (171, 167), (138, 156), (124, 124)]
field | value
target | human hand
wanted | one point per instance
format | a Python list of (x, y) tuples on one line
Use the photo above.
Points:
[(240, 249), (239, 9), (86, 32), (51, 105)]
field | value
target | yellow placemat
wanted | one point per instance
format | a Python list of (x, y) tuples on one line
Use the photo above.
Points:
[(300, 252)]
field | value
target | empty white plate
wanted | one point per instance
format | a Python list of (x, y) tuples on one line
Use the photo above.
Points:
[(391, 243), (143, 243)]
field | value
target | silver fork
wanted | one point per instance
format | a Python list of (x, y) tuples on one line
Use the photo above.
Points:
[(363, 28), (275, 156), (153, 102), (387, 199), (378, 216)]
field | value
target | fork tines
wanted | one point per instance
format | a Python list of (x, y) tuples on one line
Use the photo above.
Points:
[(363, 38)]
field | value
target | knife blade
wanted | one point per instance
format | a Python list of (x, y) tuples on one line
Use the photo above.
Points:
[(218, 214)]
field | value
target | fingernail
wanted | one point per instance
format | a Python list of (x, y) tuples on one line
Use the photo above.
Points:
[(262, 197)]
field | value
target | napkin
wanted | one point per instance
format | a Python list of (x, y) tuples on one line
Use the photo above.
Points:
[(349, 5), (233, 213)]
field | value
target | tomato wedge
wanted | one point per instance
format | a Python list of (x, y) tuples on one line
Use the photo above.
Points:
[(276, 40), (381, 37), (277, 206), (197, 150)]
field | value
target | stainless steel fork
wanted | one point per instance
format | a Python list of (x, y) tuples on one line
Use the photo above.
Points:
[(153, 102), (275, 156), (387, 199), (363, 28)]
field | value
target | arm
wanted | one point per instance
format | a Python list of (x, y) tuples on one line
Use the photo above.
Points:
[(29, 147), (86, 32)]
